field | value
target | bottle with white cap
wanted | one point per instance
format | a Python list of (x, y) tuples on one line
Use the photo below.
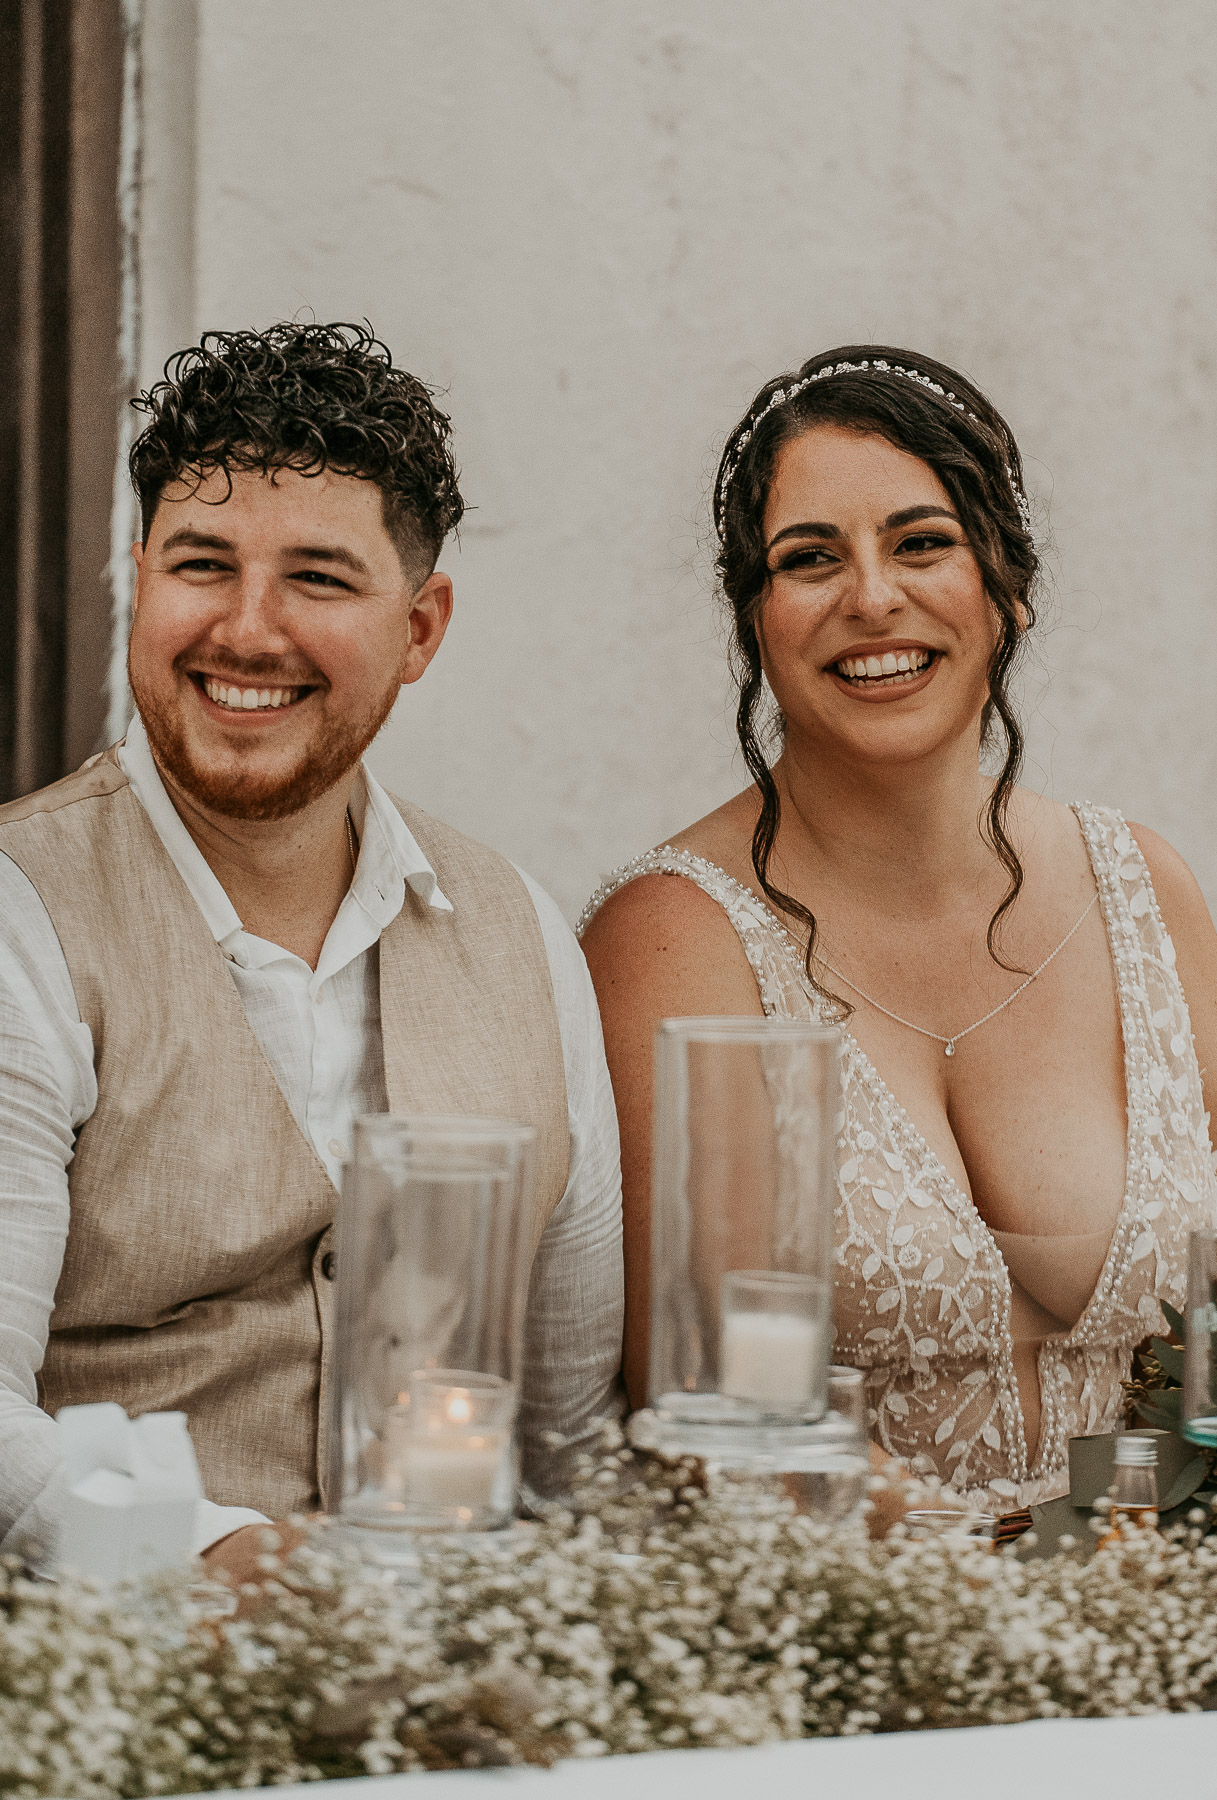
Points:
[(1134, 1495)]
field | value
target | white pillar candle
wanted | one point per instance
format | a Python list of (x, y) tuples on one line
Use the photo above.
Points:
[(438, 1455), (771, 1358), (448, 1470)]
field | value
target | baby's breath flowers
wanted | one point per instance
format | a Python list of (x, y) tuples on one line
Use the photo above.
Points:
[(664, 1609)]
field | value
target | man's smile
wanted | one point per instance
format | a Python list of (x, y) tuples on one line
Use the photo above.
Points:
[(230, 697), (249, 699)]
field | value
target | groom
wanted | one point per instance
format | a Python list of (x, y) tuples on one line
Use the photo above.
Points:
[(222, 940)]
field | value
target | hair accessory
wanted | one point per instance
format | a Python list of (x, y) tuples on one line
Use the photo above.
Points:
[(782, 395)]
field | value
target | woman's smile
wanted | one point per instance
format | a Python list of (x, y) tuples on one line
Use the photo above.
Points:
[(886, 670)]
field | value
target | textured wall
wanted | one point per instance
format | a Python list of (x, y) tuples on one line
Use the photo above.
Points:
[(602, 225)]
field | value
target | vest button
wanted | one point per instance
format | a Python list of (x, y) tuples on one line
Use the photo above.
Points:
[(329, 1265)]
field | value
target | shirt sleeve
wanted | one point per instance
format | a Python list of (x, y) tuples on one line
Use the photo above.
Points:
[(47, 1088), (576, 1300)]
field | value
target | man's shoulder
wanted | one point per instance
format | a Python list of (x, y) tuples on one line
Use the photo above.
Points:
[(99, 778), (443, 844)]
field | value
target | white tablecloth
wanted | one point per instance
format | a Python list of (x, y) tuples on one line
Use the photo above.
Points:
[(1165, 1757)]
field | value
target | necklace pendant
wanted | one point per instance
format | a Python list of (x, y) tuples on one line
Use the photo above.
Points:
[(950, 1049)]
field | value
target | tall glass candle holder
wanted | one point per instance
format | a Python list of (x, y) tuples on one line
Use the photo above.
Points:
[(743, 1193), (433, 1268), (1200, 1351)]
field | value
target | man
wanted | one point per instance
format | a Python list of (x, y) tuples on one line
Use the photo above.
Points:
[(221, 941)]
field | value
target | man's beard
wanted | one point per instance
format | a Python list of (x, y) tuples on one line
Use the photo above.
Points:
[(245, 794)]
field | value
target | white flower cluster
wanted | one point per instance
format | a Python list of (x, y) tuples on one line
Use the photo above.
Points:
[(676, 1613)]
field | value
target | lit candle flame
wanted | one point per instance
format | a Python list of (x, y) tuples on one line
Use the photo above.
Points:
[(458, 1409)]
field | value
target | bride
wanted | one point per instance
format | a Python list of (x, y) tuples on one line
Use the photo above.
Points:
[(1028, 990)]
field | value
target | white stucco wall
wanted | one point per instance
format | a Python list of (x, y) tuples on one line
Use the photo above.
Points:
[(601, 225)]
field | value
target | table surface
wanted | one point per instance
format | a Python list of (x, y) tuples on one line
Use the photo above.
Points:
[(1049, 1759)]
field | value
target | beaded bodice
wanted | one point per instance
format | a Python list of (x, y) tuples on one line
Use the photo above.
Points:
[(923, 1294)]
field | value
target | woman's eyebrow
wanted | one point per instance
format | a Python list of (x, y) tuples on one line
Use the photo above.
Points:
[(807, 529), (909, 513), (906, 516)]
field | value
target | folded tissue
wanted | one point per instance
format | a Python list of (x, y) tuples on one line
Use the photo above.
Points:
[(132, 1489)]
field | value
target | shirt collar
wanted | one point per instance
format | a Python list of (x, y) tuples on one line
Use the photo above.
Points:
[(371, 804), (390, 857)]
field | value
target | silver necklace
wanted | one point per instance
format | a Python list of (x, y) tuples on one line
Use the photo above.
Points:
[(937, 1036)]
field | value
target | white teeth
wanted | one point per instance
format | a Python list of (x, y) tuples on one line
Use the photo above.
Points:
[(886, 668), (248, 699)]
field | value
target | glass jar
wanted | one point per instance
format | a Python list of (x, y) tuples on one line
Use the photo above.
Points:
[(743, 1195), (1134, 1493), (433, 1237), (1200, 1350)]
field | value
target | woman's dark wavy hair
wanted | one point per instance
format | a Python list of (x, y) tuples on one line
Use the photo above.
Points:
[(978, 463), (308, 398)]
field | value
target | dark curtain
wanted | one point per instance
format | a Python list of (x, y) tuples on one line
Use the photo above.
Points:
[(61, 76)]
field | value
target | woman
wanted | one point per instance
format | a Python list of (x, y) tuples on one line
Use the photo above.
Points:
[(1026, 1142)]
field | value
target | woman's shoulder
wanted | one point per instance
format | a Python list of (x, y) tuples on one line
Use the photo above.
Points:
[(713, 856), (1188, 922), (1178, 892), (1189, 926), (650, 932), (668, 947), (1179, 895), (1190, 937)]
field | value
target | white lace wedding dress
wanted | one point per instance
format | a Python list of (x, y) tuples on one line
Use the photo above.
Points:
[(924, 1296)]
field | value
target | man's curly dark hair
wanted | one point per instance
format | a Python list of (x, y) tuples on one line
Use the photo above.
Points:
[(308, 398)]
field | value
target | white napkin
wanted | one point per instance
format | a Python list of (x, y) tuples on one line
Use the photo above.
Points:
[(132, 1491)]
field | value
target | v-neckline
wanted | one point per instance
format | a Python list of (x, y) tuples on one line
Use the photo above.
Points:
[(957, 1198)]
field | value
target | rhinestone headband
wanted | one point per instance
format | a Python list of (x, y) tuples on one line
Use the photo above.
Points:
[(847, 368)]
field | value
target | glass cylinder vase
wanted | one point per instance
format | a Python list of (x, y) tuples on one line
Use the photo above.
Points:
[(1200, 1349), (433, 1243), (743, 1194)]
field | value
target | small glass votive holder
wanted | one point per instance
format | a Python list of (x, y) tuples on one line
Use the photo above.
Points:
[(847, 1399), (448, 1455), (826, 1474), (1199, 1411), (774, 1334), (943, 1521)]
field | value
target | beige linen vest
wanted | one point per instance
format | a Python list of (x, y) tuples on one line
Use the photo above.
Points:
[(197, 1274)]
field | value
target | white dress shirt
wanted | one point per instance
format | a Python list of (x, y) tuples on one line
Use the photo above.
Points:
[(320, 1031)]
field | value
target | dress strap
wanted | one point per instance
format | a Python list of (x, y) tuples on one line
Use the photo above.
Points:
[(1168, 1127), (662, 861), (772, 953), (1141, 947)]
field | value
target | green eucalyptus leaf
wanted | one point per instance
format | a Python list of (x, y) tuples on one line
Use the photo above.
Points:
[(1162, 1410), (1174, 1320), (1185, 1483), (1170, 1356)]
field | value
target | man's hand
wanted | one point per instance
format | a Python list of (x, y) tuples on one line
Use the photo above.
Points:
[(236, 1559)]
